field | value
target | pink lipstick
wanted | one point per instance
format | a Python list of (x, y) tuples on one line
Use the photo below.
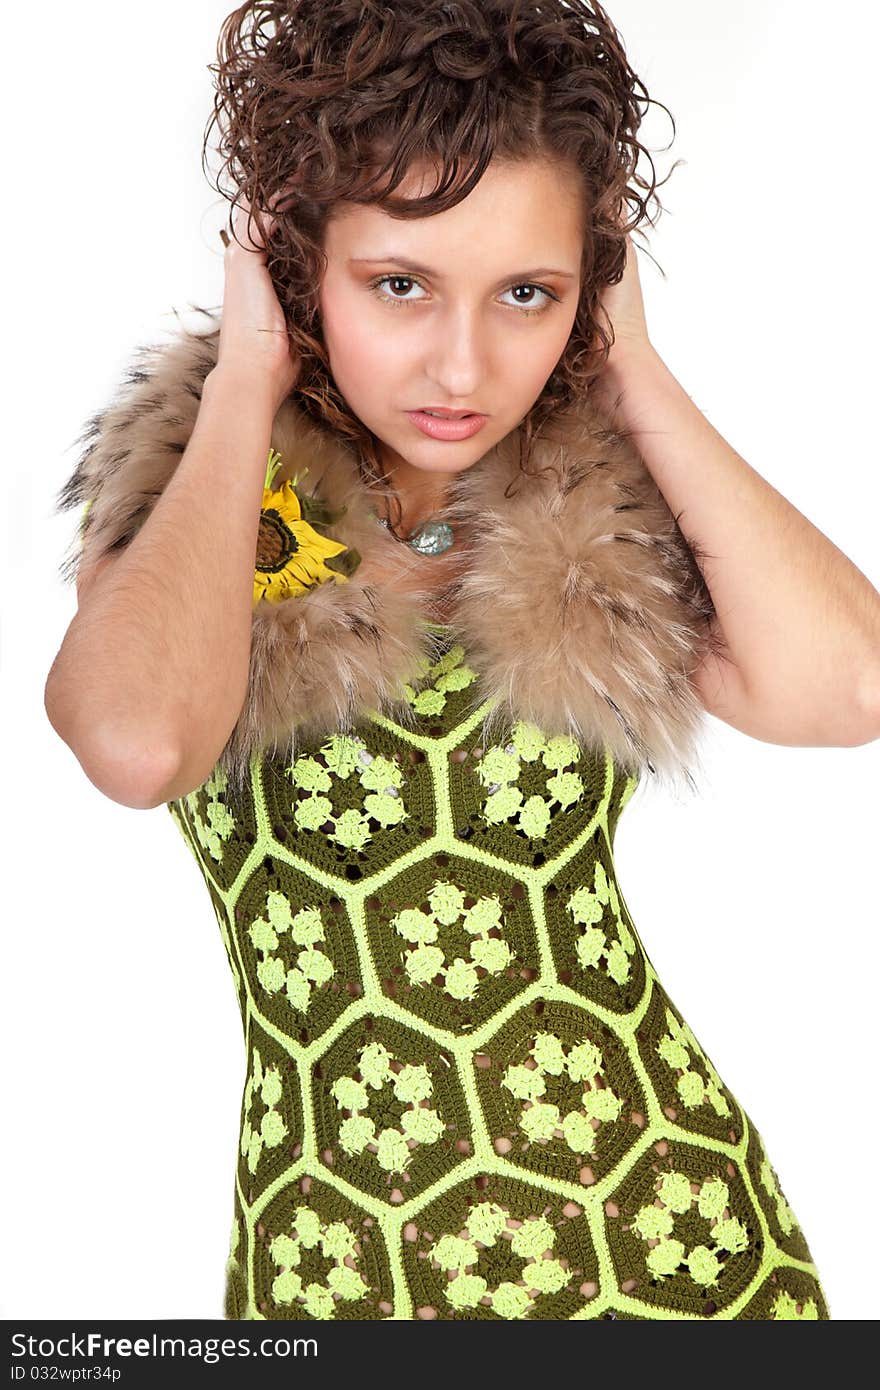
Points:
[(438, 428)]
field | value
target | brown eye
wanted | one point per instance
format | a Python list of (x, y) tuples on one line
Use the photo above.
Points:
[(529, 306), (398, 280), (377, 288)]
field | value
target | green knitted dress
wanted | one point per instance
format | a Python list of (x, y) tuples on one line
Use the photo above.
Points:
[(467, 1093)]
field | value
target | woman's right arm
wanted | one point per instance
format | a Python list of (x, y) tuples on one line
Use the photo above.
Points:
[(152, 673)]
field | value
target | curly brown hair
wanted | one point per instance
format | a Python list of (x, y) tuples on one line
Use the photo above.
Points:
[(317, 101)]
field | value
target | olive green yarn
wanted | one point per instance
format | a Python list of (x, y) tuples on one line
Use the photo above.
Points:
[(467, 1094)]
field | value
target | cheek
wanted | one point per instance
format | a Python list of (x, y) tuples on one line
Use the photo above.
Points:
[(358, 362), (532, 368)]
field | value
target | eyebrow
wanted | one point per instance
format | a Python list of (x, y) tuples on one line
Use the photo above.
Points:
[(417, 269)]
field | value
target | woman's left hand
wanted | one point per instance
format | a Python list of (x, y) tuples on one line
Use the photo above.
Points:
[(625, 307)]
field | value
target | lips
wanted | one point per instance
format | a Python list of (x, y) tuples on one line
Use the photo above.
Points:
[(456, 426), (446, 414)]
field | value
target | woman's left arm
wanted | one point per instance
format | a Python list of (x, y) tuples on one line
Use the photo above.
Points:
[(800, 623)]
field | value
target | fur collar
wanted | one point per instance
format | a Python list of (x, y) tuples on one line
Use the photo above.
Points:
[(582, 606)]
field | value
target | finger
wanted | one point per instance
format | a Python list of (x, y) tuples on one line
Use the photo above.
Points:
[(253, 237)]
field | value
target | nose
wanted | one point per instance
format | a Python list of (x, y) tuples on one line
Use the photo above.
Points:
[(456, 354)]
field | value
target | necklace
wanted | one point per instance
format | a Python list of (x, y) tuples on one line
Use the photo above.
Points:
[(431, 538)]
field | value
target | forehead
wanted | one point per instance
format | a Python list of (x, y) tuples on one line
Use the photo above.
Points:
[(533, 207)]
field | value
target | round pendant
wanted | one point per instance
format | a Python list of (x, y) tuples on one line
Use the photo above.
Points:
[(432, 538)]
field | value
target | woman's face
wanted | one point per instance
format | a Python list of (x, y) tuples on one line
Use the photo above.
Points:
[(478, 327)]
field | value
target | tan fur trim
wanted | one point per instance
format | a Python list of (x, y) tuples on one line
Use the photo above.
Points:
[(582, 606)]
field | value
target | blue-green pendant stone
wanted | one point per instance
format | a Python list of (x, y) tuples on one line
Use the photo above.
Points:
[(432, 538)]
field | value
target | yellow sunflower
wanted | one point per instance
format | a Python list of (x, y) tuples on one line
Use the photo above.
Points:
[(291, 555)]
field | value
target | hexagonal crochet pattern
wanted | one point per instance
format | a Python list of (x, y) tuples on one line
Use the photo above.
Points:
[(468, 1094)]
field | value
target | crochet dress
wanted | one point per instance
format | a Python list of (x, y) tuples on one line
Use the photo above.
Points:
[(467, 1093)]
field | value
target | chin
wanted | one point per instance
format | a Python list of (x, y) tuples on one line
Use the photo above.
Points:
[(449, 462)]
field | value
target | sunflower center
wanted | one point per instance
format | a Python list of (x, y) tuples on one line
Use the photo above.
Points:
[(275, 543)]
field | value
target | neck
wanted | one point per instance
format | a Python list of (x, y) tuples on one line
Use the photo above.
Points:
[(421, 494)]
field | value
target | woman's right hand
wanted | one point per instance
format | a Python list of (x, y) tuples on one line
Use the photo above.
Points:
[(253, 331)]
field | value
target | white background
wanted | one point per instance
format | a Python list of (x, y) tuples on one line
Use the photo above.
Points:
[(122, 1054)]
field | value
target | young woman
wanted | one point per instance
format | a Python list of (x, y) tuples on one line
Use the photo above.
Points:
[(432, 617)]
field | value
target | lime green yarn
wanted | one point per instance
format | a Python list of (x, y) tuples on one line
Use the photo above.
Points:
[(786, 1309), (338, 1248), (529, 1243), (501, 770), (211, 819), (588, 907), (439, 679), (410, 1085), (784, 1214), (467, 1093), (262, 1124)]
